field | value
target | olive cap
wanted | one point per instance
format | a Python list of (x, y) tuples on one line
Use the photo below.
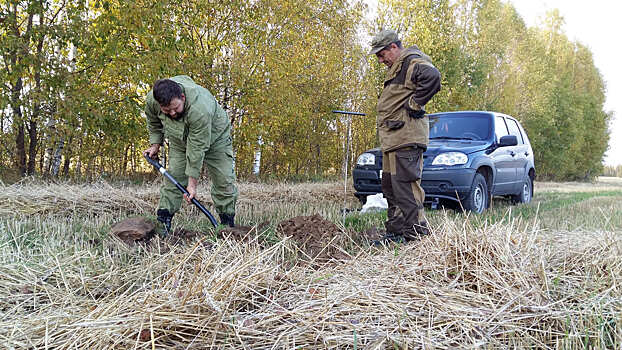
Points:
[(382, 40)]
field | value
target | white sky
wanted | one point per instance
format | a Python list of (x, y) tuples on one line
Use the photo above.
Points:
[(597, 25)]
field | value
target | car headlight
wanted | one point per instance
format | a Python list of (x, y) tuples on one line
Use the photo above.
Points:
[(450, 158), (366, 159)]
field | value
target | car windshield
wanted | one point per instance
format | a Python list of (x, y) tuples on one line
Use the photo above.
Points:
[(459, 127)]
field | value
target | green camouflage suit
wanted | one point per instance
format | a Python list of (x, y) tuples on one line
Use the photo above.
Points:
[(202, 134)]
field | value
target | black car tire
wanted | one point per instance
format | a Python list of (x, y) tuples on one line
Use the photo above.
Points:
[(526, 193), (477, 200)]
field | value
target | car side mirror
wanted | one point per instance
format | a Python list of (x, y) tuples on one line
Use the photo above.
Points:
[(508, 140)]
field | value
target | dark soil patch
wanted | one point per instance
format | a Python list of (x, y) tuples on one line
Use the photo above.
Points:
[(181, 235), (319, 239), (140, 230), (134, 230)]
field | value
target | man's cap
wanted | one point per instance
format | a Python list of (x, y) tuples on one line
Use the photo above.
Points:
[(382, 40)]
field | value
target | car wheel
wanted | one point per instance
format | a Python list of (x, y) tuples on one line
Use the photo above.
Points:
[(477, 200), (526, 193)]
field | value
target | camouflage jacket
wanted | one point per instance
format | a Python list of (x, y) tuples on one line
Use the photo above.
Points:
[(202, 125), (409, 84)]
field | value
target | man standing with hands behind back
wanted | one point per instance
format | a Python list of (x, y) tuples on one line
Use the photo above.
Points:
[(403, 128), (199, 131)]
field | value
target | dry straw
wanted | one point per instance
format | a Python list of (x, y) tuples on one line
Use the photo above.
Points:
[(504, 285), (32, 198)]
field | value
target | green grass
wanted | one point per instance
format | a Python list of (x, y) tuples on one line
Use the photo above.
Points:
[(362, 221), (557, 211)]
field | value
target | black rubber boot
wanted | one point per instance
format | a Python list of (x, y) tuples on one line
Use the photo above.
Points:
[(165, 217), (227, 219)]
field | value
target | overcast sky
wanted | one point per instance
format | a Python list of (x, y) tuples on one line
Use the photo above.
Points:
[(597, 25)]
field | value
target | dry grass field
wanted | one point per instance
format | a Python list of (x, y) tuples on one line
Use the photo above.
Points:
[(547, 275)]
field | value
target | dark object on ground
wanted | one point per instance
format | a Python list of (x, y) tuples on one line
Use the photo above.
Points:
[(391, 237), (134, 230), (161, 169), (165, 217), (471, 157), (227, 219)]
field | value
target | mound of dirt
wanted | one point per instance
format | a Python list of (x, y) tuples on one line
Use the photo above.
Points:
[(134, 230), (318, 238)]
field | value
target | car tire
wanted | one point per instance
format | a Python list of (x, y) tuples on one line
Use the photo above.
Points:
[(478, 198), (526, 193)]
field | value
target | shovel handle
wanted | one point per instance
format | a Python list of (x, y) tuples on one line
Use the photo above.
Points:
[(183, 190)]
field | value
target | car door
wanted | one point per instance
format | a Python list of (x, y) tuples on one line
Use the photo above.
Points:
[(505, 167), (528, 150), (520, 153)]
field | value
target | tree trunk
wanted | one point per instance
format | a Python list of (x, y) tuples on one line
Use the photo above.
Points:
[(79, 163), (32, 146), (89, 169), (21, 149), (67, 158), (42, 162), (48, 155), (17, 120), (123, 167), (66, 166), (57, 158), (16, 104), (36, 110)]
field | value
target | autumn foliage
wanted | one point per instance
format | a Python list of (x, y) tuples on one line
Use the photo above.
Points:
[(75, 75)]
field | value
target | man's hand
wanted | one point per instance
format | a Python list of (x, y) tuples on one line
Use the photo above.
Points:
[(192, 189), (152, 151)]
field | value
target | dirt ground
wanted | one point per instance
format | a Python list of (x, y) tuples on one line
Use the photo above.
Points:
[(317, 239)]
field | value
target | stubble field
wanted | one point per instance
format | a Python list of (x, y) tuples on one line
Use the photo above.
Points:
[(545, 275)]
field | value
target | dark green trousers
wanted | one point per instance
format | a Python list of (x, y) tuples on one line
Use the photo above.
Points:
[(219, 162)]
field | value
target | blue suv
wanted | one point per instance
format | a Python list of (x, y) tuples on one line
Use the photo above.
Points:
[(472, 156)]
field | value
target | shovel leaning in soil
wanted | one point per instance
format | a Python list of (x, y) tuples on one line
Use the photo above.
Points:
[(162, 170)]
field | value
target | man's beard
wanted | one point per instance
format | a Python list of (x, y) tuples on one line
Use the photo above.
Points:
[(177, 116)]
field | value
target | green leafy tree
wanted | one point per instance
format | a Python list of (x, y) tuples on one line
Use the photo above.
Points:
[(35, 39)]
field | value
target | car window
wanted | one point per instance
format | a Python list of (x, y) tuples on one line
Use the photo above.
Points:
[(462, 127), (514, 130), (500, 128), (525, 137)]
